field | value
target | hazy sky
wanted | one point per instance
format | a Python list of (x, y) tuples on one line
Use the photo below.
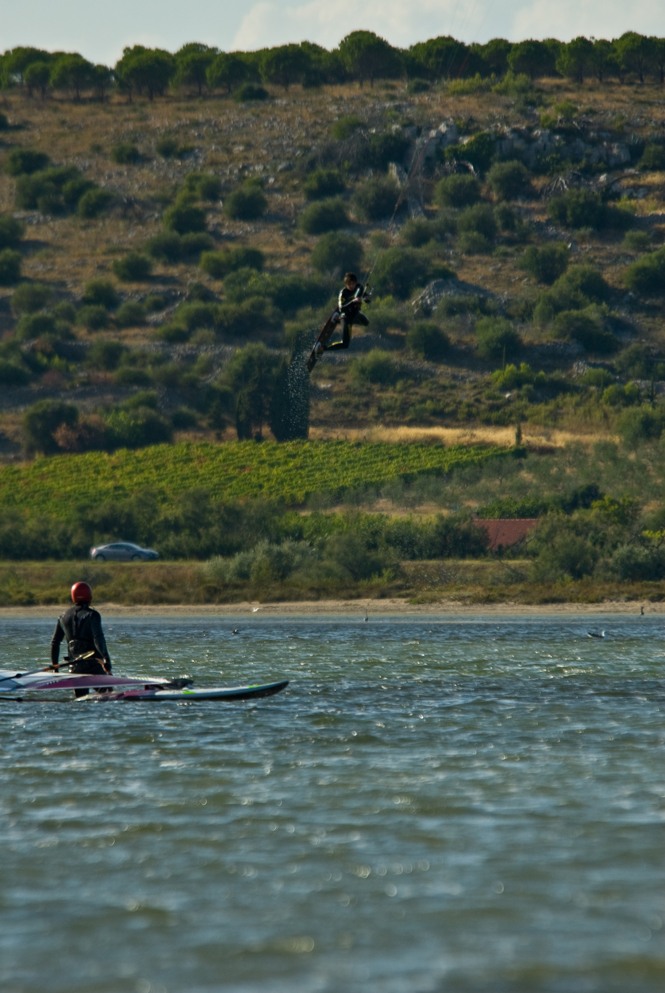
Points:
[(101, 30)]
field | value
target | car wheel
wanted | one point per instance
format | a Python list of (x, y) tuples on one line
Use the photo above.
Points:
[(100, 558)]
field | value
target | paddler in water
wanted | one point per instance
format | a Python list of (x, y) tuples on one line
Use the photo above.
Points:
[(81, 626)]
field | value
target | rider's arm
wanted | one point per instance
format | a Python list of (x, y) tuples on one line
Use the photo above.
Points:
[(58, 635), (98, 638)]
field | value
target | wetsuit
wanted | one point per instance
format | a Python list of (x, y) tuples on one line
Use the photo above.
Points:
[(348, 305), (81, 626)]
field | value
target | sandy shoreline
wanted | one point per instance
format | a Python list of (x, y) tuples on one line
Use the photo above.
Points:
[(347, 608)]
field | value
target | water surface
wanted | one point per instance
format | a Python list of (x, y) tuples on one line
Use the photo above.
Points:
[(433, 805)]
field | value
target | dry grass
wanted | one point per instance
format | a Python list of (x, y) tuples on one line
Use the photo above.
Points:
[(532, 435)]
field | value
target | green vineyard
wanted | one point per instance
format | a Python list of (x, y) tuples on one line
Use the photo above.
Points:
[(234, 471)]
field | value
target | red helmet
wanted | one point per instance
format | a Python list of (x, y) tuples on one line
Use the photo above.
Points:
[(81, 593)]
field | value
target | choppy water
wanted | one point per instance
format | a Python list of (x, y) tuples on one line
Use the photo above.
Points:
[(432, 806)]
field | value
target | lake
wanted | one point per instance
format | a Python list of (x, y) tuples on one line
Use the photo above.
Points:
[(434, 804)]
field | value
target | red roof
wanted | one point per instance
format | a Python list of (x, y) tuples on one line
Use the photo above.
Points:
[(507, 532)]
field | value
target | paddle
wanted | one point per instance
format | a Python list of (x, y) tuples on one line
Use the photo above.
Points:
[(53, 665)]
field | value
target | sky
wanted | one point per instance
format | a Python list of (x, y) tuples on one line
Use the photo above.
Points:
[(100, 30)]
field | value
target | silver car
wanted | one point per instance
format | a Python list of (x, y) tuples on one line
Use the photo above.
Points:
[(122, 551)]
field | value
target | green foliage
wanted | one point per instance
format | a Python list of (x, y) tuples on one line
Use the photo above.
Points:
[(641, 424), (93, 317), (585, 327), (398, 271), (458, 190), (546, 264), (125, 153), (94, 202), (377, 366), (133, 268), (428, 341), (11, 231), (37, 325), (496, 337), (344, 127), (130, 314), (653, 158), (203, 186), (417, 232), (375, 199), (324, 215), (509, 180), (41, 421), (369, 57), (323, 183), (637, 241), (479, 151), (101, 291), (337, 253), (637, 362), (415, 86), (30, 297), (184, 218), (10, 267), (647, 275), (578, 209), (228, 70), (246, 204), (577, 289), (25, 161), (563, 550), (220, 264), (105, 355), (165, 247), (249, 93)]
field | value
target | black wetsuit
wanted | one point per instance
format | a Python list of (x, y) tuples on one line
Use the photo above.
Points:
[(81, 627), (349, 304)]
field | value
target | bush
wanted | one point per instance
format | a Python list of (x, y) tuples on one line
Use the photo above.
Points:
[(184, 218), (165, 247), (93, 317), (428, 341), (460, 190), (130, 314), (398, 271), (337, 253), (10, 267), (323, 183), (246, 204), (586, 280), (197, 315), (323, 215), (647, 275), (417, 232), (12, 374), (250, 92), (375, 199), (133, 268), (479, 151), (377, 366), (578, 209), (101, 292), (653, 158), (137, 428), (204, 186), (637, 362), (126, 153), (509, 180), (94, 202), (30, 297), (220, 264), (105, 355), (415, 86), (641, 424), (74, 190), (585, 328), (33, 326), (496, 337), (637, 241), (473, 243), (11, 231), (344, 127), (42, 420), (478, 219), (385, 148), (24, 161), (194, 243), (545, 264)]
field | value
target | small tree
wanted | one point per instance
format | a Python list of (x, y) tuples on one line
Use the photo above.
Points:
[(533, 58), (509, 180), (284, 65), (497, 337), (42, 420), (427, 340), (368, 57), (38, 77), (376, 199), (461, 190), (72, 72), (192, 65), (576, 59), (250, 375), (246, 204), (337, 252), (636, 53), (546, 264), (228, 70), (145, 69)]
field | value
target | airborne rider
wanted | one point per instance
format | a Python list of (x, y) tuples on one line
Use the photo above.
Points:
[(351, 298)]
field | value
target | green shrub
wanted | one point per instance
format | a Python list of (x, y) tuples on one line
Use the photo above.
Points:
[(220, 264), (586, 280), (42, 420), (637, 241), (459, 190), (653, 158), (93, 317), (638, 362), (545, 264), (647, 275), (337, 253), (11, 231), (387, 147), (616, 395), (102, 292), (415, 86), (36, 326), (133, 268), (323, 183), (509, 180), (13, 374), (479, 219), (479, 151), (174, 334), (165, 247), (344, 127), (204, 186), (24, 161), (250, 92), (64, 311), (137, 428), (184, 418), (184, 217), (324, 215), (507, 220), (578, 209), (105, 355), (154, 302), (398, 271), (473, 243), (377, 366), (427, 340), (375, 199), (10, 267), (130, 314), (246, 204), (194, 243), (417, 232), (168, 147), (94, 202), (253, 316), (496, 337), (585, 328), (197, 315), (641, 424), (29, 297), (636, 564), (125, 153), (74, 190)]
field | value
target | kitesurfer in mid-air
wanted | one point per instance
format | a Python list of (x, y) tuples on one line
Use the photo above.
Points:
[(81, 627), (351, 299)]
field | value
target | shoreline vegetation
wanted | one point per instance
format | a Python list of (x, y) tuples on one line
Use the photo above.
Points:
[(421, 586)]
